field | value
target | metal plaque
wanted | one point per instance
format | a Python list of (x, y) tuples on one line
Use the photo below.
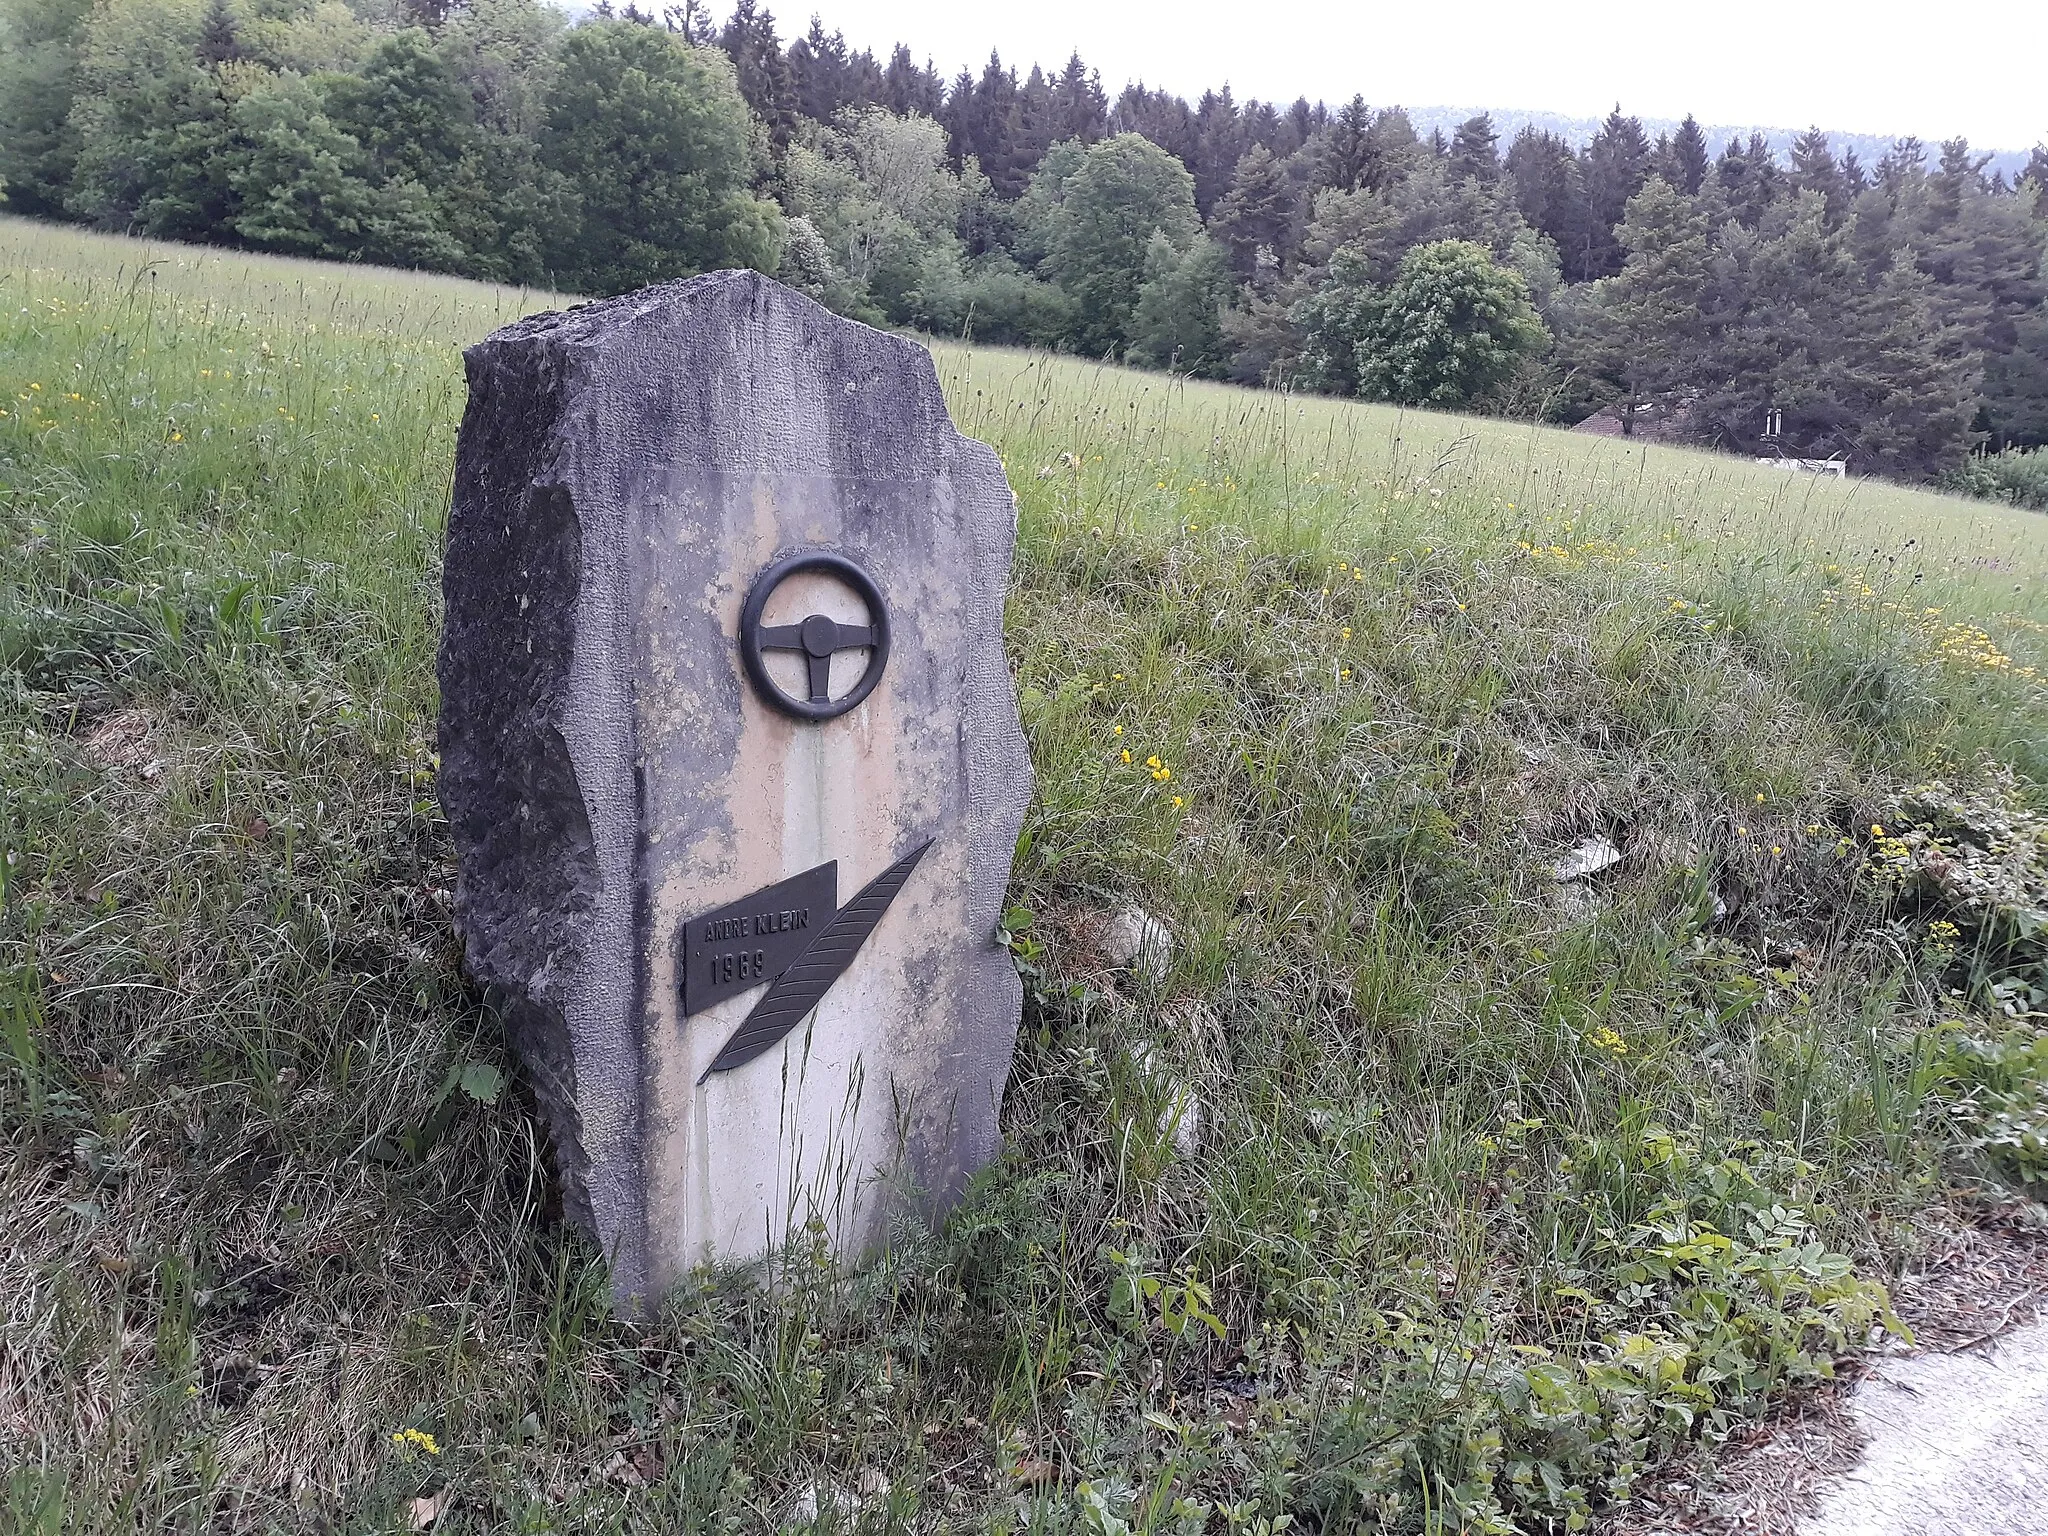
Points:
[(798, 989), (753, 940)]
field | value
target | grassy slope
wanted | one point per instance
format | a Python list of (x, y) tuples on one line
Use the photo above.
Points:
[(1419, 1231)]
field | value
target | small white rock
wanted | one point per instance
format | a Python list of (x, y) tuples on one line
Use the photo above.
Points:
[(814, 1497), (1589, 858), (1132, 939), (1183, 1119)]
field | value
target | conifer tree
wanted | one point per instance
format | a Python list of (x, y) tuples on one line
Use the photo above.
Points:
[(2036, 176), (1550, 191), (1617, 163), (1902, 167), (1917, 381), (1260, 212), (1396, 149), (2016, 386), (1079, 109), (1745, 181), (762, 70), (40, 66), (1814, 169), (1650, 322), (1345, 160), (1031, 124), (1687, 162), (1159, 116), (219, 43), (1220, 139), (1300, 124), (825, 76), (908, 89), (986, 124), (1472, 150)]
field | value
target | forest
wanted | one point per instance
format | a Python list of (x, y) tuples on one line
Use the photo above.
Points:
[(1889, 314)]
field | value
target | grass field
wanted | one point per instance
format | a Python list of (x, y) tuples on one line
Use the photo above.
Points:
[(1468, 1196)]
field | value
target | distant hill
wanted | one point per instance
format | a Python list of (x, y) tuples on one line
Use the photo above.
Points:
[(1869, 147)]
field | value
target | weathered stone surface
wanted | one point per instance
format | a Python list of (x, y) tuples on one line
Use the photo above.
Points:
[(625, 469)]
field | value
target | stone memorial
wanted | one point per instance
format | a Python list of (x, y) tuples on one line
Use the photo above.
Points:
[(731, 754)]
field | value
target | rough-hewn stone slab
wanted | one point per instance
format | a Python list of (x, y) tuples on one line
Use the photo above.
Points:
[(625, 470)]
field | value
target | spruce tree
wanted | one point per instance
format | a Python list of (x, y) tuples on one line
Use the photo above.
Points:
[(1814, 169), (1903, 167), (1689, 160), (2016, 386), (1472, 150), (1079, 109), (1617, 163), (1032, 130), (40, 68), (1220, 139), (1261, 211), (2036, 176), (1918, 379), (908, 89), (1301, 124), (1745, 181), (1345, 158), (988, 124), (1550, 191), (1649, 314), (749, 40), (821, 73), (219, 43)]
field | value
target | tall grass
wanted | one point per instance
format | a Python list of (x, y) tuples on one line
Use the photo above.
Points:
[(1417, 1190)]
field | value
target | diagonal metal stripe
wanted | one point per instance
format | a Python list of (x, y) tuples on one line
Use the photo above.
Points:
[(798, 990)]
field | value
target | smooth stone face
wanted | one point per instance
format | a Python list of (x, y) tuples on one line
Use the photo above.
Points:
[(624, 472)]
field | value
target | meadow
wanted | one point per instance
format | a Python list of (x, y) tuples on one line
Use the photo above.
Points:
[(1420, 1191)]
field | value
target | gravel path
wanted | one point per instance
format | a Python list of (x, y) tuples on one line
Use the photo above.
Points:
[(1958, 1446)]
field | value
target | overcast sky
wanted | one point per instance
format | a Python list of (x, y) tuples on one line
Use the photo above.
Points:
[(1859, 66)]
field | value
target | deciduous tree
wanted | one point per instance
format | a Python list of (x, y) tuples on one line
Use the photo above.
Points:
[(653, 136)]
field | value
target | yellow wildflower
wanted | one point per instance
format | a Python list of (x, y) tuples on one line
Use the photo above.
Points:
[(409, 1440)]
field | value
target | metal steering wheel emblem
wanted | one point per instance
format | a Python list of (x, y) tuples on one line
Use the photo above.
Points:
[(817, 638)]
